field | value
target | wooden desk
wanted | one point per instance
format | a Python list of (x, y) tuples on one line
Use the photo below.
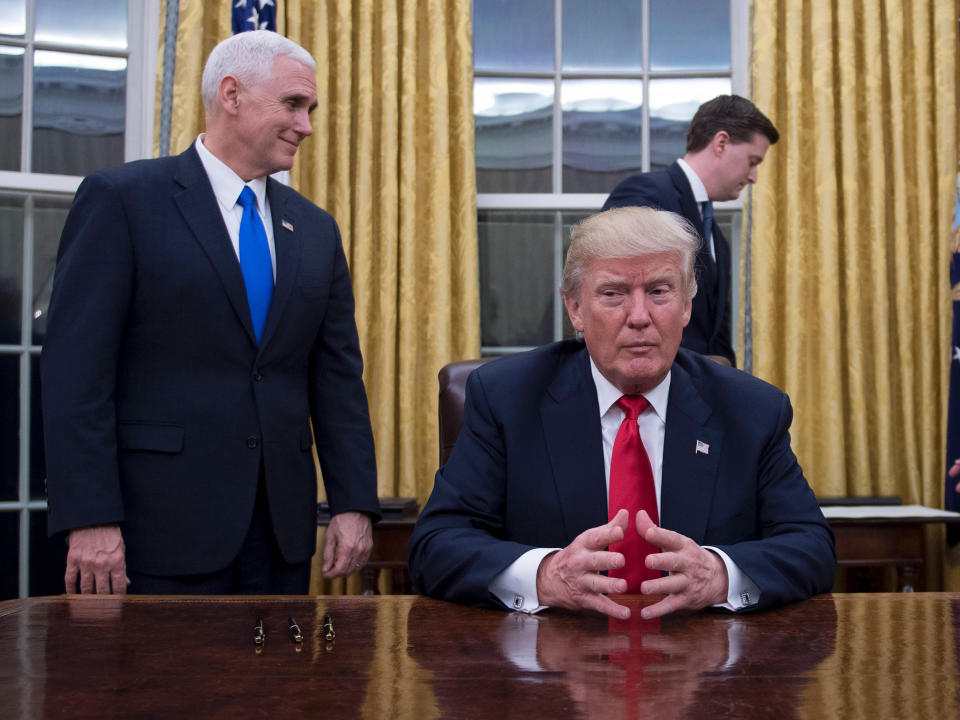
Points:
[(884, 536), (846, 656)]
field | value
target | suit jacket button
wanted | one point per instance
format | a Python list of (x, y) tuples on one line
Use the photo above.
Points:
[(252, 442), (257, 377)]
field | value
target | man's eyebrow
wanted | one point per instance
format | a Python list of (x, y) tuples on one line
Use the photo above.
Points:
[(611, 280), (298, 97), (668, 277)]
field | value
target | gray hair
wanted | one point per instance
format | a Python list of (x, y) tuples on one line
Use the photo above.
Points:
[(249, 57), (628, 232)]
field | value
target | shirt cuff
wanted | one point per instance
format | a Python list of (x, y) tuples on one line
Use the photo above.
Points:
[(742, 592), (516, 587)]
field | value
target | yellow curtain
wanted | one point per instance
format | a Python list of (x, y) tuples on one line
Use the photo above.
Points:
[(849, 244), (200, 26), (391, 158)]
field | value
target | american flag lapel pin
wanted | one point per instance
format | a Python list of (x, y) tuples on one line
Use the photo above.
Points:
[(702, 447), (287, 225)]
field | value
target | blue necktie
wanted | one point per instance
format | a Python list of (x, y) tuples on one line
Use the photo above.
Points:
[(255, 261), (707, 220), (707, 226)]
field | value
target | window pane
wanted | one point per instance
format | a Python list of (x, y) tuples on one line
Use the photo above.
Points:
[(11, 269), (11, 106), (13, 17), (9, 426), (672, 106), (49, 216), (78, 112), (95, 23), (511, 35), (602, 35), (48, 558), (689, 34), (9, 554), (513, 125), (517, 287), (602, 133), (569, 220), (725, 221), (38, 464)]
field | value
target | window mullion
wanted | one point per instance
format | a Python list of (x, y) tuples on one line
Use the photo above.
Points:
[(26, 135), (557, 168), (26, 329), (645, 113)]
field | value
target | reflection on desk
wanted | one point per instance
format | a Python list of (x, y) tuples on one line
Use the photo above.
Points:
[(845, 656)]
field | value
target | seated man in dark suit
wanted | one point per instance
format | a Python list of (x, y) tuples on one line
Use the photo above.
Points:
[(622, 463)]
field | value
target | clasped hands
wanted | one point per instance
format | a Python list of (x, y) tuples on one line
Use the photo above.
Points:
[(571, 578)]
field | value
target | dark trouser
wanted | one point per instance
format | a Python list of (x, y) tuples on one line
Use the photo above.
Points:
[(259, 568)]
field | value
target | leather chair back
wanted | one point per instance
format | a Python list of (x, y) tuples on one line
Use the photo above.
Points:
[(453, 382)]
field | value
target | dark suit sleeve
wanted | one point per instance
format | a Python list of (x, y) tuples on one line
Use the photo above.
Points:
[(92, 288), (793, 557), (457, 547), (338, 401), (636, 190)]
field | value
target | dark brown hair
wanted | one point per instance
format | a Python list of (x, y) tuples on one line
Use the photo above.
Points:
[(737, 115)]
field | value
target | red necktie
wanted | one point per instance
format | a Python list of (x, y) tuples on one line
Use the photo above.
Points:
[(631, 487)]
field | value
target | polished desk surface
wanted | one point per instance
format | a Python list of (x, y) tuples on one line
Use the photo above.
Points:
[(840, 656)]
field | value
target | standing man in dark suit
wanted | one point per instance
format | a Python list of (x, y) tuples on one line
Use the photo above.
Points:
[(569, 453), (728, 138), (202, 316)]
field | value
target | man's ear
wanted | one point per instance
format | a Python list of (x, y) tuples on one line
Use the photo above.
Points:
[(228, 94), (573, 310), (720, 142)]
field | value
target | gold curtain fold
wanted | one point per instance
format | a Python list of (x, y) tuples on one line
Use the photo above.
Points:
[(391, 158), (849, 246), (201, 26)]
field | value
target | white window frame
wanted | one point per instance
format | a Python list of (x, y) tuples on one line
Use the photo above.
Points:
[(142, 41)]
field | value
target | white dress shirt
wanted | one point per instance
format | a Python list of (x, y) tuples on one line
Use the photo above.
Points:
[(700, 195), (516, 586), (226, 187)]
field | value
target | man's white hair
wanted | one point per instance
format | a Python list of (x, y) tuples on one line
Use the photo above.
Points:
[(249, 57), (630, 232)]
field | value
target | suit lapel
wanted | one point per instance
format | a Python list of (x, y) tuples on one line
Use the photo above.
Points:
[(691, 454), (199, 208), (286, 242), (706, 267), (688, 205), (571, 424)]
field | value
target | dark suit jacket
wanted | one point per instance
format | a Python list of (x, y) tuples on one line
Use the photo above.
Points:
[(158, 404), (709, 331), (527, 471)]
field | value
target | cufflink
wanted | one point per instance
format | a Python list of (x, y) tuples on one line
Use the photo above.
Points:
[(745, 597), (517, 602)]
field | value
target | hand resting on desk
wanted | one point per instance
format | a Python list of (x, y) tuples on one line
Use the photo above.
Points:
[(97, 558)]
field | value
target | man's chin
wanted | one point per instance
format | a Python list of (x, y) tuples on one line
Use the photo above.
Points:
[(640, 375), (282, 164)]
